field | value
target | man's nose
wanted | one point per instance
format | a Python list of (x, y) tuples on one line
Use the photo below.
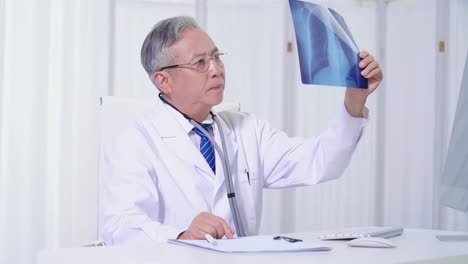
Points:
[(215, 67)]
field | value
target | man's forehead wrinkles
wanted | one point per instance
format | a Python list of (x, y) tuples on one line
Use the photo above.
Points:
[(215, 49)]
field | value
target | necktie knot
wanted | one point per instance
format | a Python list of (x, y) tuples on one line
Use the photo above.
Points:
[(207, 127)]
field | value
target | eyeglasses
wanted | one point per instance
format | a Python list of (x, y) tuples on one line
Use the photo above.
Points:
[(200, 64)]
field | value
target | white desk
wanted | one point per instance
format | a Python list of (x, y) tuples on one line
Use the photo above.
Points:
[(414, 246)]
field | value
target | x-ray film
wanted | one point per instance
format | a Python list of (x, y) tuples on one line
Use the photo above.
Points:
[(328, 54)]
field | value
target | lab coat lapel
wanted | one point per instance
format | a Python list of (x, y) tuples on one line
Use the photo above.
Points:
[(177, 141), (173, 135)]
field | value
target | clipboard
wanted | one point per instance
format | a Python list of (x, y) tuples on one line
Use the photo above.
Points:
[(251, 244)]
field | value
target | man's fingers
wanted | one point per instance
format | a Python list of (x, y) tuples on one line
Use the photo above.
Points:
[(366, 61), (372, 66), (209, 228), (228, 231), (220, 230), (363, 54), (376, 73), (217, 222), (206, 223), (214, 225), (217, 229)]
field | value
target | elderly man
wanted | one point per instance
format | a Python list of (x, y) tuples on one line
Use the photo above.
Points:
[(162, 178)]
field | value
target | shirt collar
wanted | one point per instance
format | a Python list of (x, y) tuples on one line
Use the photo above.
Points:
[(183, 121)]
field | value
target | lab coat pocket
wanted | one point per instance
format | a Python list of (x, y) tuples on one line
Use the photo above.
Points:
[(249, 185), (247, 177), (249, 194)]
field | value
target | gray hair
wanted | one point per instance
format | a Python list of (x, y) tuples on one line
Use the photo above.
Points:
[(155, 52)]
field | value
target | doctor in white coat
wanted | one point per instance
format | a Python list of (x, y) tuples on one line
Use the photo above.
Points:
[(157, 185)]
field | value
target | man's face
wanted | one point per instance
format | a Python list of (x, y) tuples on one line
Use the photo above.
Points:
[(189, 88)]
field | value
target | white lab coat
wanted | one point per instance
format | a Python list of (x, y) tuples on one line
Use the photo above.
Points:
[(154, 180)]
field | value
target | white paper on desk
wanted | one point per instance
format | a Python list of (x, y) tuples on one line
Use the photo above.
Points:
[(252, 244)]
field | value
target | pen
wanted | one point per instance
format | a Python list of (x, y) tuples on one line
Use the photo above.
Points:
[(289, 239), (211, 239)]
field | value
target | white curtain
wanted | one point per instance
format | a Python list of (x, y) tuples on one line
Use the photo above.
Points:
[(256, 43), (422, 84), (350, 200), (132, 20), (57, 57), (54, 56), (408, 145)]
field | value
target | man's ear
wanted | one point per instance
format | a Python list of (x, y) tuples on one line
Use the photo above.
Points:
[(161, 78)]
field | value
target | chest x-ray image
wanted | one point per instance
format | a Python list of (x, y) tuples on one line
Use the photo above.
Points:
[(328, 54)]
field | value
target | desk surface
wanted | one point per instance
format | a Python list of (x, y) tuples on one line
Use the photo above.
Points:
[(414, 245)]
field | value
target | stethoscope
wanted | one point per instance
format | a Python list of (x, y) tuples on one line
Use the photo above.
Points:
[(225, 164)]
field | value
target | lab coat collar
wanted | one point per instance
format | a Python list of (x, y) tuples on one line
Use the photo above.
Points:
[(231, 144), (175, 136), (186, 125)]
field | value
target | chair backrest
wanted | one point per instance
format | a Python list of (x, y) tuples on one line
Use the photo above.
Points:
[(117, 112)]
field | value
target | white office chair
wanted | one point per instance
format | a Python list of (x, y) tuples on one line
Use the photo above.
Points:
[(118, 112)]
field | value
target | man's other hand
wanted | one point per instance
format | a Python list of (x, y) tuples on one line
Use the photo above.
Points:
[(206, 223)]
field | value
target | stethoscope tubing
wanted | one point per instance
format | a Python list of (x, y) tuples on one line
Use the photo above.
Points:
[(227, 173)]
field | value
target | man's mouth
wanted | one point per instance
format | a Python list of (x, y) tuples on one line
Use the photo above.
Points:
[(217, 87)]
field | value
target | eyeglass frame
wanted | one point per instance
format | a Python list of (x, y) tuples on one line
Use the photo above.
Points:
[(189, 65)]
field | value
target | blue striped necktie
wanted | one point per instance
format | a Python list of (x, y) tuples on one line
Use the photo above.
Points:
[(206, 148)]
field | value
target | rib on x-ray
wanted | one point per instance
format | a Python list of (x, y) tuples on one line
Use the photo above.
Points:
[(328, 54)]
